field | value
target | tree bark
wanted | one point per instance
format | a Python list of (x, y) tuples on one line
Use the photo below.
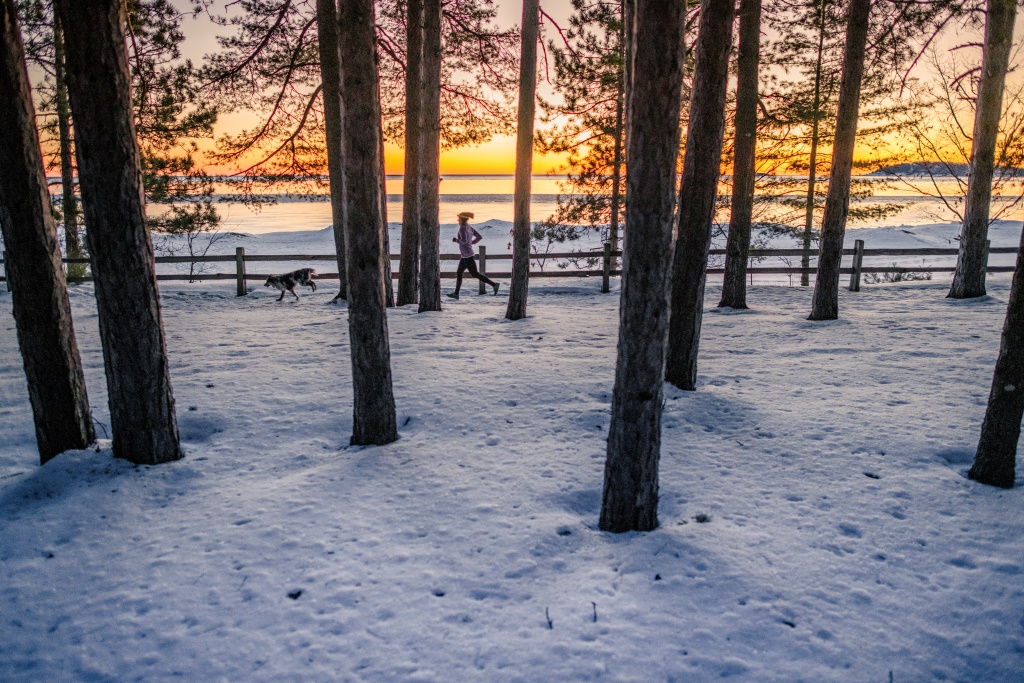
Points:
[(628, 48), (825, 304), (619, 152), (408, 267), (734, 287), (135, 356), (374, 420), (969, 278), (430, 150), (330, 76), (385, 257), (520, 286), (812, 168), (996, 457), (69, 203), (698, 189), (616, 199), (42, 312), (630, 499)]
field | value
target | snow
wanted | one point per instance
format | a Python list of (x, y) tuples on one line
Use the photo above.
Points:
[(816, 521)]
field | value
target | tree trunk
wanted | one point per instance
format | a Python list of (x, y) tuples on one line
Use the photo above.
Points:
[(616, 199), (698, 189), (520, 286), (430, 151), (330, 76), (42, 312), (825, 305), (969, 278), (734, 287), (630, 500), (135, 356), (69, 203), (618, 154), (812, 169), (628, 49), (374, 411), (385, 257), (995, 460), (408, 267)]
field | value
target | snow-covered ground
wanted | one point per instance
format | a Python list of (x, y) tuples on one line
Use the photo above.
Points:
[(816, 523)]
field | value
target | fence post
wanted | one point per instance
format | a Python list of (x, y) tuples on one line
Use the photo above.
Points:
[(858, 263), (483, 267), (240, 270), (984, 260), (7, 273), (606, 263)]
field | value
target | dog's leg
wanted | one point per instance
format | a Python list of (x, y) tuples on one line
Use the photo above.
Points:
[(292, 290), (313, 285), (282, 295)]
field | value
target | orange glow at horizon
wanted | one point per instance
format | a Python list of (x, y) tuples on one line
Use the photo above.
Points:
[(497, 157)]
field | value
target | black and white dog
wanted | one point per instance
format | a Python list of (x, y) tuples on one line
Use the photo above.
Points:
[(286, 283)]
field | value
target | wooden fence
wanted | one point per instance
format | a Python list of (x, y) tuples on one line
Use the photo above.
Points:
[(604, 259)]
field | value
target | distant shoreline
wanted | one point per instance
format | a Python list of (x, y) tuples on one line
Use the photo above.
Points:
[(929, 169), (317, 197)]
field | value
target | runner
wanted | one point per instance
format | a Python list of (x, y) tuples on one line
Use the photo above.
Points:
[(466, 238)]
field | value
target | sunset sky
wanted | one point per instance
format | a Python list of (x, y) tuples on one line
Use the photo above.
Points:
[(494, 157)]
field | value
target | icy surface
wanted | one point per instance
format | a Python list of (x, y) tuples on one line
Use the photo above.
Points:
[(816, 523)]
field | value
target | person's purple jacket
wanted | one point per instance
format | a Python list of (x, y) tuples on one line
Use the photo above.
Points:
[(466, 238)]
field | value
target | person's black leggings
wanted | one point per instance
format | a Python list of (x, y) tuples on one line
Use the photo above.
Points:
[(470, 264)]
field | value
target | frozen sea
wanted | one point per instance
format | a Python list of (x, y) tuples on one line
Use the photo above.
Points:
[(299, 223)]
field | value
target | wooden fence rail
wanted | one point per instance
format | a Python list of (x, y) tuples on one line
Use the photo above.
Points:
[(606, 258)]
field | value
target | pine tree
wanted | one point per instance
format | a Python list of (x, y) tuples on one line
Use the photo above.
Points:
[(409, 264), (800, 100), (135, 355), (734, 287), (969, 278), (44, 43), (698, 189), (169, 115), (588, 120), (268, 65), (519, 287), (69, 202), (892, 45), (42, 311), (810, 45), (330, 76), (996, 458), (655, 39), (374, 421), (167, 110), (825, 305), (429, 171)]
